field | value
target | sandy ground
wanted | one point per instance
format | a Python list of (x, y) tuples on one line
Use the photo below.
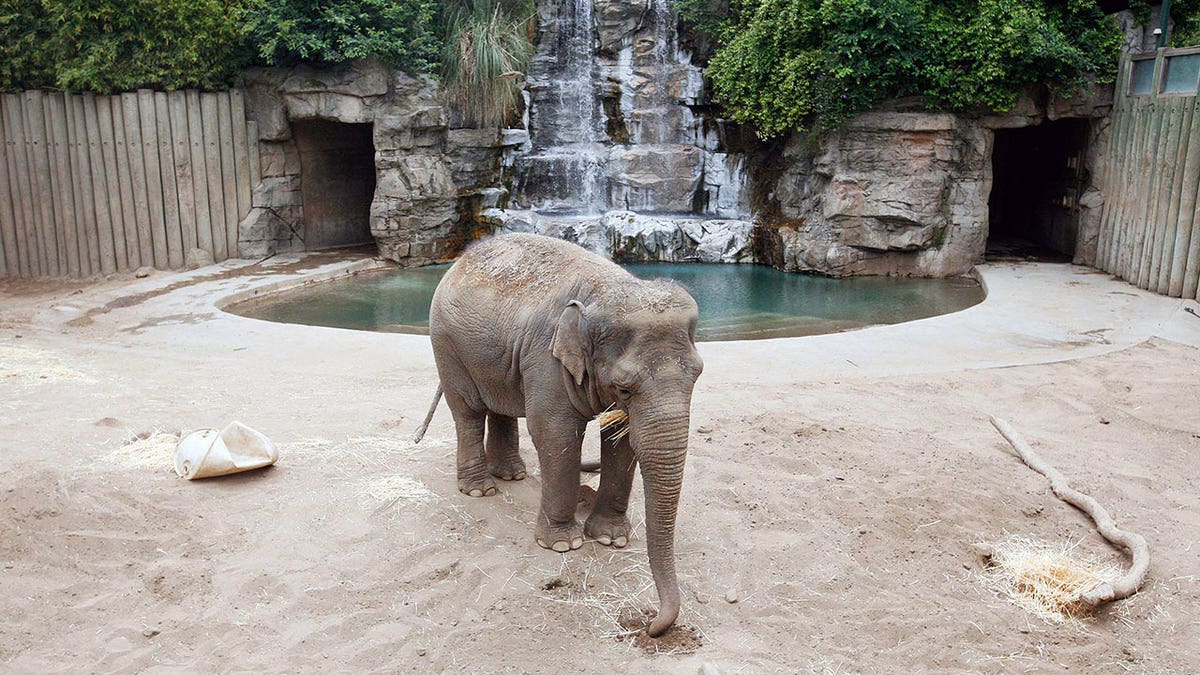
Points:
[(835, 487)]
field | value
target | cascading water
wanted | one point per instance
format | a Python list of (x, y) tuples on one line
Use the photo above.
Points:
[(612, 127), (564, 171)]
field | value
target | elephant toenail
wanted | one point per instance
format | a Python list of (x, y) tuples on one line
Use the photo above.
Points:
[(576, 543), (476, 493), (519, 476), (620, 542), (604, 539), (561, 546), (490, 491)]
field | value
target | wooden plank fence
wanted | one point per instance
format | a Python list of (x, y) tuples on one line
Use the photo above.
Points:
[(1150, 224), (93, 185)]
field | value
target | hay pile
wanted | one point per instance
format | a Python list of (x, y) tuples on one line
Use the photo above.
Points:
[(152, 450), (27, 365), (1047, 580)]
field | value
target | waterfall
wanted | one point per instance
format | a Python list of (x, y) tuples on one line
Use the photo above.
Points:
[(613, 126)]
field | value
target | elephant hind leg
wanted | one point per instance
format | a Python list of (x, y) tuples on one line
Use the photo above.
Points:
[(503, 454), (473, 477)]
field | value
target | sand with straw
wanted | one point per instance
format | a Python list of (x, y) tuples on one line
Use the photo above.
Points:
[(28, 365), (1047, 580), (153, 450)]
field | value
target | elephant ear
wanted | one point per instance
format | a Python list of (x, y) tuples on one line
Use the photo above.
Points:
[(570, 341)]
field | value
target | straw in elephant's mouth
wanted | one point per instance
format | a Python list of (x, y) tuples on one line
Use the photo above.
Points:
[(615, 419)]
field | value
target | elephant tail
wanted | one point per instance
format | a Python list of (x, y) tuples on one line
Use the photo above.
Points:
[(437, 398)]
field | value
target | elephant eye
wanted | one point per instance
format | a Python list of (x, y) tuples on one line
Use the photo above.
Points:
[(624, 392)]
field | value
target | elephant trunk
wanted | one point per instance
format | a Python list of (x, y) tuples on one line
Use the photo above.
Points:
[(660, 442)]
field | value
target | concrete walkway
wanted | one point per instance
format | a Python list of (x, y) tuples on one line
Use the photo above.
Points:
[(1034, 313)]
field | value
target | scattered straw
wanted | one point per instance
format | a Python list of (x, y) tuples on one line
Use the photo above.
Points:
[(395, 491), (32, 366), (153, 450), (1047, 580)]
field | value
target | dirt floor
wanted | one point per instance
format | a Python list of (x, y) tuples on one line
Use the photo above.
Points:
[(826, 525)]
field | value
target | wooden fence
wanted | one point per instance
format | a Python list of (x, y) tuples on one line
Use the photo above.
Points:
[(1150, 225), (99, 184)]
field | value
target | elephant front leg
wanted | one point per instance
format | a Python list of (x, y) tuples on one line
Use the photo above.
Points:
[(559, 443), (473, 477), (503, 455), (608, 523)]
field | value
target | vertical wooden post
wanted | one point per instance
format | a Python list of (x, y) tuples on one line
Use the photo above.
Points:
[(154, 186), (195, 139), (35, 119), (1191, 268), (26, 243), (85, 204), (64, 186), (1156, 201), (100, 194), (123, 180), (53, 182), (112, 192), (1174, 195), (131, 113), (170, 187), (38, 251), (8, 218), (212, 161), (177, 103), (228, 174)]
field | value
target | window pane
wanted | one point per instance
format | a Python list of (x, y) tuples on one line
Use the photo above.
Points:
[(1183, 74), (1141, 80)]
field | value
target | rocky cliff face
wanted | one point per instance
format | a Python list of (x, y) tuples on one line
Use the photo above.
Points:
[(891, 193), (430, 175)]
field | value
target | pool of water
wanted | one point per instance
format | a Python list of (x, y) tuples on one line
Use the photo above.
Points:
[(737, 302)]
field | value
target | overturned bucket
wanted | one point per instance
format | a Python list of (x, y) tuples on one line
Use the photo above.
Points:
[(207, 452)]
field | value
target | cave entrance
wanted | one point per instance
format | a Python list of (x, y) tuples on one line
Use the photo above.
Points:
[(337, 182), (1036, 177)]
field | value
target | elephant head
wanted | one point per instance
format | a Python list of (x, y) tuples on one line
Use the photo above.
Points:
[(633, 348)]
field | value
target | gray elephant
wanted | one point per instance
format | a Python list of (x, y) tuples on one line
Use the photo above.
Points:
[(529, 326)]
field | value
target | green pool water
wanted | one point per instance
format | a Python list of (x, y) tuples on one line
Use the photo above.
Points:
[(737, 302)]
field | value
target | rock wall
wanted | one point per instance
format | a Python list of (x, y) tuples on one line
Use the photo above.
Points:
[(431, 177), (891, 193)]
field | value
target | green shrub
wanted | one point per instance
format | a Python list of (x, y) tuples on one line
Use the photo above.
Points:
[(114, 45), (25, 61), (808, 64), (401, 32), (488, 45)]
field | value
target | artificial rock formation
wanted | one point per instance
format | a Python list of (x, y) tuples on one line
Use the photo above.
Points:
[(431, 176)]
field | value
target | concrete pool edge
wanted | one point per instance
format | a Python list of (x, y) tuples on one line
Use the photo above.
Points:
[(1032, 313)]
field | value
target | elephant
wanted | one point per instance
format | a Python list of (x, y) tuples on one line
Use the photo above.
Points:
[(524, 325)]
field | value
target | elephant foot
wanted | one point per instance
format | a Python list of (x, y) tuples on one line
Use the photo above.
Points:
[(511, 469), (477, 487), (608, 530), (559, 538)]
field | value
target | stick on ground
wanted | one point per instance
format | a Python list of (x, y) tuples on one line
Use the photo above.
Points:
[(1132, 542)]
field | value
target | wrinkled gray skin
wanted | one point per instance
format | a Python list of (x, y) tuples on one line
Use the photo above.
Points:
[(528, 326)]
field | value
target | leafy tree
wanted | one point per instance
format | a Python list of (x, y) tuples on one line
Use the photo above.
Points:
[(25, 61), (111, 45), (808, 64), (401, 32)]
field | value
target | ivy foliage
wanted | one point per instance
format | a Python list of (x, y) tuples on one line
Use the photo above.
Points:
[(809, 64)]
